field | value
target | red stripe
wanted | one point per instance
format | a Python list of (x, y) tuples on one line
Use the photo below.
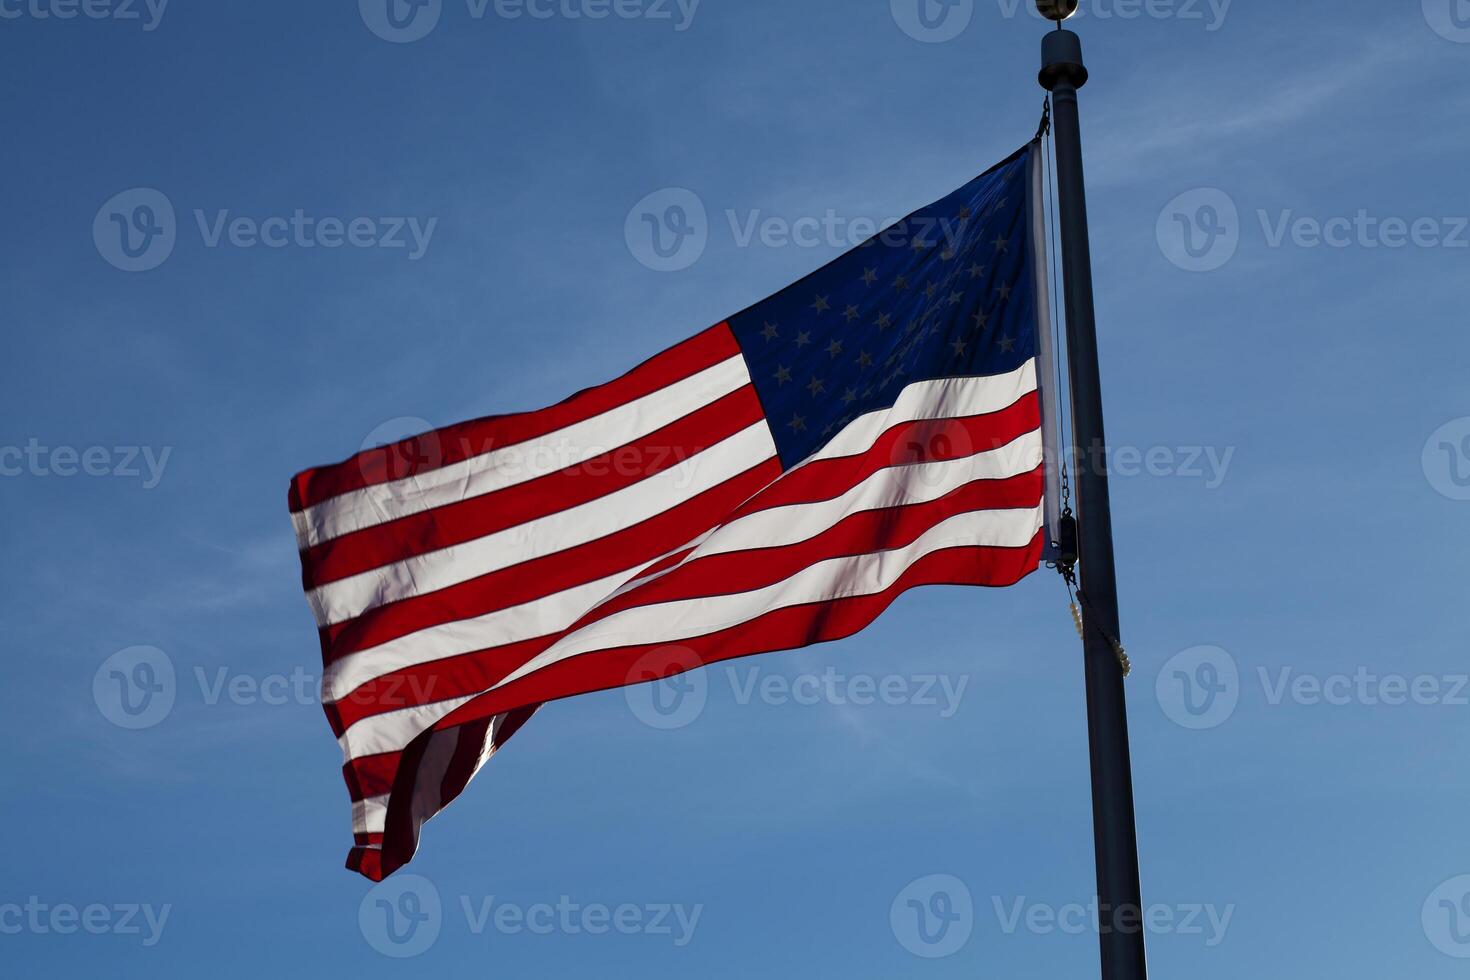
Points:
[(621, 551), (462, 765), (665, 563), (722, 574), (923, 441), (371, 862), (467, 520), (456, 443), (860, 533), (467, 753), (370, 775), (438, 680), (781, 629), (368, 862), (920, 441), (373, 775)]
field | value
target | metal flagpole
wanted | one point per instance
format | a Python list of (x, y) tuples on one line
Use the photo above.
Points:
[(1120, 915)]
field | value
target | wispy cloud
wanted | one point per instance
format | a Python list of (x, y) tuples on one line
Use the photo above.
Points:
[(880, 742), (1228, 108), (246, 573)]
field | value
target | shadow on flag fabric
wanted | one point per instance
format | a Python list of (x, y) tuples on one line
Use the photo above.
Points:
[(772, 482)]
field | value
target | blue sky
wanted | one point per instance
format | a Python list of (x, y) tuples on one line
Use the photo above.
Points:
[(1279, 233)]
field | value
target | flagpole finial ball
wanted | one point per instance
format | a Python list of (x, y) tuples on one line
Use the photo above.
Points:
[(1057, 10)]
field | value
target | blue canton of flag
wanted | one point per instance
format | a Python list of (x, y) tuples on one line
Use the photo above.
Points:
[(946, 292)]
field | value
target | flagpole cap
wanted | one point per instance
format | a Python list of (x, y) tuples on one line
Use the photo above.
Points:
[(1061, 59)]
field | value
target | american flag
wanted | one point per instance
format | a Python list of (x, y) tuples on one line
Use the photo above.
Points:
[(772, 482)]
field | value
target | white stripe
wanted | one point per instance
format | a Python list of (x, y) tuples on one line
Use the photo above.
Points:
[(919, 401), (916, 483), (945, 398), (370, 815), (347, 598), (634, 583), (772, 528), (428, 781), (492, 742), (511, 465), (392, 731), (539, 617), (825, 581)]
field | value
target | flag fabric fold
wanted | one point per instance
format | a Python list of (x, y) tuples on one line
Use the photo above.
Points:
[(775, 481)]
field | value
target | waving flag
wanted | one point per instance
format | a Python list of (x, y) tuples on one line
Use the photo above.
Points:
[(774, 481)]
